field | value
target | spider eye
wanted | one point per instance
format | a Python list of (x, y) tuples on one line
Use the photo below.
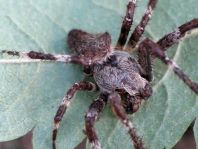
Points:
[(112, 60)]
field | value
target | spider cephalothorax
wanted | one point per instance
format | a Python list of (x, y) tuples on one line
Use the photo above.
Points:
[(119, 72), (122, 80)]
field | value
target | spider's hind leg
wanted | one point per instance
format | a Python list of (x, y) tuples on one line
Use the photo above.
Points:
[(65, 103), (156, 51), (91, 117)]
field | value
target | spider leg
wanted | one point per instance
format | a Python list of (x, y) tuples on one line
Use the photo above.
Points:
[(115, 102), (144, 59), (173, 37), (126, 24), (33, 56), (156, 51), (65, 104), (139, 30), (91, 117)]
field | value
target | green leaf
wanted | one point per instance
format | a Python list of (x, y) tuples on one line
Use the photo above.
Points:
[(30, 93)]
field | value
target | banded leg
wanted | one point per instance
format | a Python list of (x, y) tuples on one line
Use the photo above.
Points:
[(91, 117), (39, 56), (157, 52), (115, 102), (126, 24), (139, 30), (173, 37), (65, 104)]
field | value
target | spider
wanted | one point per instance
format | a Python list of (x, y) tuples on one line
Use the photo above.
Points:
[(122, 80)]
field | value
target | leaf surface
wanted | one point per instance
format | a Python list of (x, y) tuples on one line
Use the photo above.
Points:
[(30, 93)]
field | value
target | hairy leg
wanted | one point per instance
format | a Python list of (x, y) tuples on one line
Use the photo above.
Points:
[(126, 24), (173, 37), (65, 104), (39, 56), (139, 30), (91, 117), (144, 59), (119, 111), (156, 51)]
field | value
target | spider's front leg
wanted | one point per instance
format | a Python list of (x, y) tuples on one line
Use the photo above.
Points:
[(91, 117), (156, 51), (65, 104), (173, 37), (126, 24), (115, 102), (139, 30)]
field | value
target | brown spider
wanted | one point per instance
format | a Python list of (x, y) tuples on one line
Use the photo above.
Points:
[(122, 80)]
